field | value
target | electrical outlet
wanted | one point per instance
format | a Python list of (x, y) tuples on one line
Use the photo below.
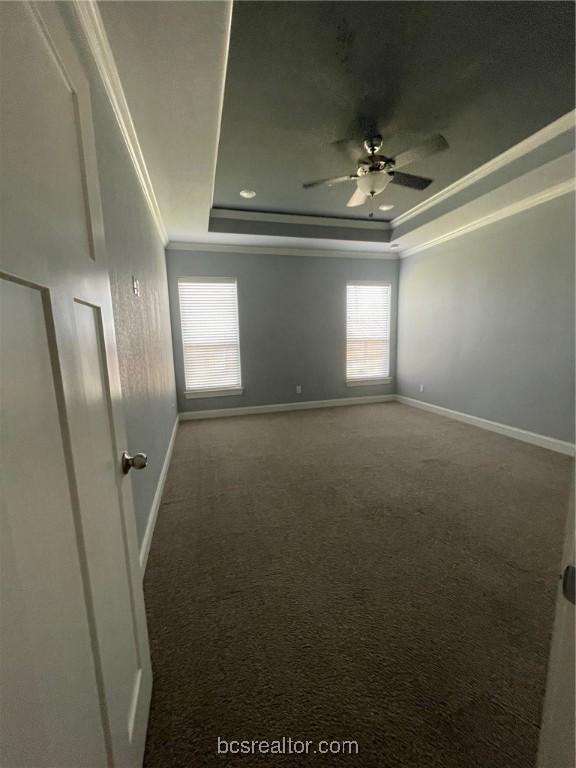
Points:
[(135, 286), (298, 389), (421, 387)]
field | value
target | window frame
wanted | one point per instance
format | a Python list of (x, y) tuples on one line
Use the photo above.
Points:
[(371, 382), (198, 394)]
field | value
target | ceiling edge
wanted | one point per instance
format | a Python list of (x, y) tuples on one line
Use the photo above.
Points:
[(526, 146), (292, 218), (270, 250), (92, 25), (544, 196), (220, 106)]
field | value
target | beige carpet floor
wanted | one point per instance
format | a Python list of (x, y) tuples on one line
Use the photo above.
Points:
[(370, 573)]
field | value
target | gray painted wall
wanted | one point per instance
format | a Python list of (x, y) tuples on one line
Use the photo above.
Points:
[(486, 322), (142, 324), (292, 313)]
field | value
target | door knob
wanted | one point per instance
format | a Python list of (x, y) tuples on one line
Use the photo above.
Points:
[(569, 584), (138, 461)]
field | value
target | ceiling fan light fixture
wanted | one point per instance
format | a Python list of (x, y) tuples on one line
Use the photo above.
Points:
[(385, 207), (373, 184), (248, 194)]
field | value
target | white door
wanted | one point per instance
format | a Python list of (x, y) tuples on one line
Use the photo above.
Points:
[(558, 735), (75, 677)]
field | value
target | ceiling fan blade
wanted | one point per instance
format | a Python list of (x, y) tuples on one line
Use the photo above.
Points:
[(431, 146), (351, 147), (358, 198), (408, 180), (329, 182)]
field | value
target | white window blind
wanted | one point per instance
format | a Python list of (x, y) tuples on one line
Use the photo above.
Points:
[(209, 321), (367, 332)]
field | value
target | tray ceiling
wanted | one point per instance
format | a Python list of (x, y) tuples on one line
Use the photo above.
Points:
[(304, 75)]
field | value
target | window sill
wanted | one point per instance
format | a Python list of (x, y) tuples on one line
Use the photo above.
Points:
[(369, 382), (207, 393)]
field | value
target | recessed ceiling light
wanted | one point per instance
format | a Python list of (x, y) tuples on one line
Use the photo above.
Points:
[(248, 194), (385, 207)]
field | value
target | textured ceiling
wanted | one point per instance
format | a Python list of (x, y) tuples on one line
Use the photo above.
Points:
[(303, 75)]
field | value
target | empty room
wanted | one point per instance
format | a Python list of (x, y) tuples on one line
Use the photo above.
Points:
[(287, 363)]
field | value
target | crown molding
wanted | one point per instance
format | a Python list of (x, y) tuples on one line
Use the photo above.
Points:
[(92, 26), (524, 147), (291, 218), (531, 201), (269, 250), (221, 107)]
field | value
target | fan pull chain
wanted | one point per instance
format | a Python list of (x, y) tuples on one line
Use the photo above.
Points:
[(371, 214)]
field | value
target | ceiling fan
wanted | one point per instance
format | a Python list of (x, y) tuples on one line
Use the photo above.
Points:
[(375, 172)]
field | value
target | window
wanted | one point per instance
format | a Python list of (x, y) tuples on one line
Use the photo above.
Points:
[(367, 332), (210, 338)]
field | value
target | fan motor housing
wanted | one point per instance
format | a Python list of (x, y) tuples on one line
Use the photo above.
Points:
[(375, 163)]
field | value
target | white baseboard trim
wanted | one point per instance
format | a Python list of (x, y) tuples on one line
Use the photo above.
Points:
[(542, 441), (493, 426), (251, 410), (153, 516)]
